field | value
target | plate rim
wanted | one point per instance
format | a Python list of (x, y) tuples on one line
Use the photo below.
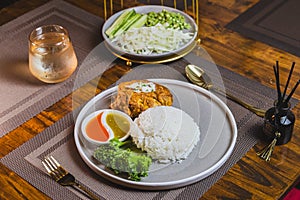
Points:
[(160, 185)]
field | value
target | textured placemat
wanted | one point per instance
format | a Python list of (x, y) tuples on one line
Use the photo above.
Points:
[(58, 140), (275, 22), (22, 95)]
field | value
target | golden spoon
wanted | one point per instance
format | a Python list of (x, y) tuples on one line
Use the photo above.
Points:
[(195, 75)]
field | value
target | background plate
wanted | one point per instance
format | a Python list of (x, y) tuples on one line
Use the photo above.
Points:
[(217, 139), (153, 58)]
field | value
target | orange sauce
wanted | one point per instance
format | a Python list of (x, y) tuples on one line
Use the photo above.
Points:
[(96, 130)]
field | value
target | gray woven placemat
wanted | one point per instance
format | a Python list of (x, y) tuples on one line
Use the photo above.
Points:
[(58, 141), (22, 95)]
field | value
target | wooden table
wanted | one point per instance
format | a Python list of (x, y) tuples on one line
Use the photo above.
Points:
[(249, 178)]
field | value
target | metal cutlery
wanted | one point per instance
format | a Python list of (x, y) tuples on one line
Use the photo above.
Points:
[(64, 178), (195, 75)]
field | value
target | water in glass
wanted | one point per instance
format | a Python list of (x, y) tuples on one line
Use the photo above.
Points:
[(51, 55)]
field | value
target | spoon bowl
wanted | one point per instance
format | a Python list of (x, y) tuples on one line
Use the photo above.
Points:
[(198, 76)]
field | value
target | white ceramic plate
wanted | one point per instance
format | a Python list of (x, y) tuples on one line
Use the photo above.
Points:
[(153, 57), (218, 136)]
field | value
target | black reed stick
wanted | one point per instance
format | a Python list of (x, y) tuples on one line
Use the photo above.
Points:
[(288, 80), (292, 92), (276, 72)]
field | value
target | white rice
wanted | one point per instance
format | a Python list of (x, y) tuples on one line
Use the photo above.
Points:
[(166, 133)]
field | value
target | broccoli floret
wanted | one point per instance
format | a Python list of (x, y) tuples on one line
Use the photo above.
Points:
[(121, 159)]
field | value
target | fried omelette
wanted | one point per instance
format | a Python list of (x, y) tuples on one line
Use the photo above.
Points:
[(134, 97)]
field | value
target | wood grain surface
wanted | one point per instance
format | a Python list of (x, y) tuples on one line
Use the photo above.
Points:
[(251, 177)]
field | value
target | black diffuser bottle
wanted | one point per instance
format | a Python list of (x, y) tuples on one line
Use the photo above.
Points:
[(279, 119)]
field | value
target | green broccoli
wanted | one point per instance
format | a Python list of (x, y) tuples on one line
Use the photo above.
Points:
[(117, 156)]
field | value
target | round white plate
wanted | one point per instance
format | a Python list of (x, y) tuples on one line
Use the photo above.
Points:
[(217, 139), (156, 57)]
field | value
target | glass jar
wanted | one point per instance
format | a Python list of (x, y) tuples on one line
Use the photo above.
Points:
[(51, 55), (281, 120)]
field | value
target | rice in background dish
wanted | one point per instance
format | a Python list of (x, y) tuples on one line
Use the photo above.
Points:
[(166, 133)]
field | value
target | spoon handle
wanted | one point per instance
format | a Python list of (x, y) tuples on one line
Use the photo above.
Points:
[(259, 112)]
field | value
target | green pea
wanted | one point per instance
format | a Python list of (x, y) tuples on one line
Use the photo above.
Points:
[(174, 20)]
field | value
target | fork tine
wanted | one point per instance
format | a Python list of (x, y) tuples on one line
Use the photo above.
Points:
[(53, 172), (46, 167), (58, 166), (54, 161), (50, 163), (53, 168)]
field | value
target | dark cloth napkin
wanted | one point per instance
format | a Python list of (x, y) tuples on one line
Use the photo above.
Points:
[(275, 22)]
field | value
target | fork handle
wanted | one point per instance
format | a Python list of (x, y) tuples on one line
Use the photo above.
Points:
[(259, 112), (84, 189)]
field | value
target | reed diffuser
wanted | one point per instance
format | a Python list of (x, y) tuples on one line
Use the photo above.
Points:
[(279, 120)]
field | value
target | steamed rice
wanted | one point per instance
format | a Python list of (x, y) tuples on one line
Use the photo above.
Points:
[(166, 133)]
